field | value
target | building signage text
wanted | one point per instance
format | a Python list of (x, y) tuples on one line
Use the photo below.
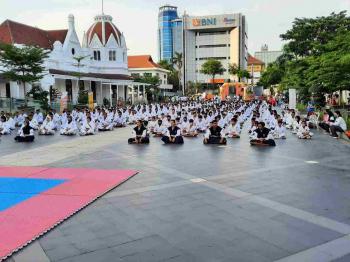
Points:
[(204, 22), (229, 20)]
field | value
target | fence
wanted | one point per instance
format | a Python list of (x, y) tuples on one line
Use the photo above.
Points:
[(12, 104)]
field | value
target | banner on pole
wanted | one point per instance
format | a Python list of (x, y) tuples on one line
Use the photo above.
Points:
[(292, 99), (91, 100)]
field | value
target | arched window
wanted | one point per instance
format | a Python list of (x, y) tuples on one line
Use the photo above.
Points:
[(73, 51)]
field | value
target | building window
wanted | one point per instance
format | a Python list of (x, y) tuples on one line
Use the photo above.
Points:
[(73, 51), (147, 74), (112, 55), (213, 33), (8, 90), (69, 90), (212, 46), (97, 55), (215, 58)]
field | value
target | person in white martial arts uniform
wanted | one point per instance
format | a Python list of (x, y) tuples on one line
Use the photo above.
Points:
[(105, 124), (88, 127), (152, 124), (159, 129), (69, 128), (190, 130), (201, 125), (119, 120), (48, 127), (5, 128), (280, 130), (234, 129), (304, 131), (38, 116)]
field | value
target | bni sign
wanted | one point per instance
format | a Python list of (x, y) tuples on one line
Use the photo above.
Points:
[(204, 22)]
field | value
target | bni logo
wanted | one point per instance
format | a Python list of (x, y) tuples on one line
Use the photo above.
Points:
[(204, 22)]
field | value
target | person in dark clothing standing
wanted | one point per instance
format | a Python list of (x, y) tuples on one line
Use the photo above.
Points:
[(139, 134), (262, 136), (173, 134), (26, 133), (215, 134)]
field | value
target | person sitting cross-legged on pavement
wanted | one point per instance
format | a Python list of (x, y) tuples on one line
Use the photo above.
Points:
[(280, 130), (173, 134), (26, 133), (215, 134), (69, 128), (139, 134), (47, 128), (262, 136), (234, 129), (304, 131)]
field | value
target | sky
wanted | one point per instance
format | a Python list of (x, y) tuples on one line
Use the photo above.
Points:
[(137, 19)]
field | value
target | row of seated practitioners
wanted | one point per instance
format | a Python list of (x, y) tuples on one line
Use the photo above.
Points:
[(174, 134), (261, 136), (49, 128)]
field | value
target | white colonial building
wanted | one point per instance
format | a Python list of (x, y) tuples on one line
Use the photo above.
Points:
[(98, 64)]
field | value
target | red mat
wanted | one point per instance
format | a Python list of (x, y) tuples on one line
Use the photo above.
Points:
[(45, 198)]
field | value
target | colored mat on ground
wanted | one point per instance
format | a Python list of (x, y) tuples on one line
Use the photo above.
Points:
[(34, 200)]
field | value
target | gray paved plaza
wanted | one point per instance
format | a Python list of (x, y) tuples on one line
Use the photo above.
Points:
[(202, 203)]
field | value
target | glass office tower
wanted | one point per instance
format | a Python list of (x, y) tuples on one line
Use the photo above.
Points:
[(167, 15)]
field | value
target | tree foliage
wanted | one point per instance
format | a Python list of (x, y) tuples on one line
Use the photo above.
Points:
[(235, 70), (212, 68), (40, 95), (22, 64), (178, 62), (193, 88), (316, 59), (173, 76)]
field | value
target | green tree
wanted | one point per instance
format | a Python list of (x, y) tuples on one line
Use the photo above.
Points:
[(309, 35), (193, 88), (42, 96), (212, 68), (178, 62), (22, 64), (152, 89), (272, 75), (165, 65), (237, 71), (316, 58), (173, 76)]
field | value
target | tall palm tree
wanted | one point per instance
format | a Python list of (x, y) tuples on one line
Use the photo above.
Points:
[(177, 61)]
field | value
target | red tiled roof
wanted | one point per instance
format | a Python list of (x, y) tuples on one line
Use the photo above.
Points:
[(110, 29), (142, 61), (16, 33), (254, 61)]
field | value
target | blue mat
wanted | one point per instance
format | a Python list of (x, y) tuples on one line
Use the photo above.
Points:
[(16, 190)]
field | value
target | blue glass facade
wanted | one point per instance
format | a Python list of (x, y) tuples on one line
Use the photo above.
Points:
[(165, 31)]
